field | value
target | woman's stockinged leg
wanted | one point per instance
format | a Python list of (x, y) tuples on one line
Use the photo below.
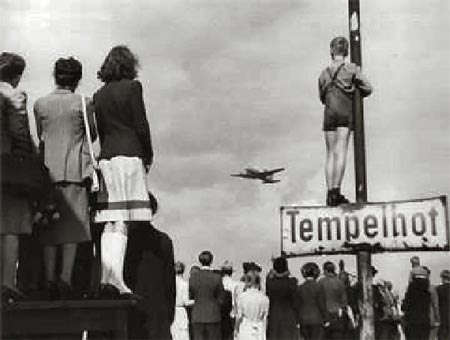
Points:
[(69, 251), (10, 255), (50, 262), (343, 136), (114, 245)]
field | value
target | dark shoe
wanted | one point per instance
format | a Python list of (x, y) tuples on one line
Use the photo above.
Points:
[(50, 291), (341, 199), (108, 292), (130, 296), (65, 291), (11, 295), (332, 198)]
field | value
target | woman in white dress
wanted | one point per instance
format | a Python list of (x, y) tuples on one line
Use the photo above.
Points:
[(252, 310), (180, 325)]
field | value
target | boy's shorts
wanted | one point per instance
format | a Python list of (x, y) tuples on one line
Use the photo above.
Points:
[(332, 120)]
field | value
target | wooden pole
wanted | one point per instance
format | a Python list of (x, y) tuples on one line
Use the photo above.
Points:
[(367, 329)]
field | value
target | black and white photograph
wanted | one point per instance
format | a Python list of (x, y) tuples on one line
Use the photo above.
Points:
[(225, 169)]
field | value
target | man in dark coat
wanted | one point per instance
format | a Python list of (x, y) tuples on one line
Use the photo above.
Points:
[(149, 271), (281, 290), (206, 289)]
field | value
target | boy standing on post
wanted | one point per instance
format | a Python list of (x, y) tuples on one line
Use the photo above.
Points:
[(337, 85)]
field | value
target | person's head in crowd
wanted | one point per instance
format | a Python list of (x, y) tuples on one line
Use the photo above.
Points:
[(254, 267), (205, 258), (339, 47), (252, 280), (67, 73), (245, 267), (445, 276), (280, 265), (226, 269), (329, 268), (415, 261), (120, 63), (12, 66), (310, 270), (179, 268)]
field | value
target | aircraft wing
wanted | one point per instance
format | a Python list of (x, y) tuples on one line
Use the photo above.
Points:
[(242, 176), (271, 172)]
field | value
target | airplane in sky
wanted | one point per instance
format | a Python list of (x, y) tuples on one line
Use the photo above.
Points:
[(266, 176)]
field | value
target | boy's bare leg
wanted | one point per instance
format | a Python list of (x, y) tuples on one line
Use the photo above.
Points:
[(343, 136), (330, 142)]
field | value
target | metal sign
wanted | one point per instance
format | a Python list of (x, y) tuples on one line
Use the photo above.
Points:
[(391, 226)]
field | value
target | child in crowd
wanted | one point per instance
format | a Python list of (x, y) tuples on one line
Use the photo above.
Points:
[(337, 85)]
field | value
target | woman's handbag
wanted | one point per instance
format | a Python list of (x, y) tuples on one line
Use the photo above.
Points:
[(24, 175), (95, 175)]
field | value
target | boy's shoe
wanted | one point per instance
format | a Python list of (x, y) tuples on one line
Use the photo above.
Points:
[(341, 199), (332, 198)]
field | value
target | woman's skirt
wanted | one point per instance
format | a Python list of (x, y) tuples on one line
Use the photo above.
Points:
[(16, 215), (123, 194), (180, 325), (73, 225)]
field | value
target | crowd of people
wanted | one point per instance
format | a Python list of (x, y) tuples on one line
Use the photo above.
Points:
[(325, 305)]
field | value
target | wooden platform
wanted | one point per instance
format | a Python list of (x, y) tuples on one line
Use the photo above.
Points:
[(68, 319)]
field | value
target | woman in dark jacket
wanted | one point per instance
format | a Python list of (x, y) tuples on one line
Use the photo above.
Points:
[(311, 304), (281, 290), (15, 210), (416, 306), (125, 158)]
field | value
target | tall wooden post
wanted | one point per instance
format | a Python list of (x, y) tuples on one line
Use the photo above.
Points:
[(367, 330)]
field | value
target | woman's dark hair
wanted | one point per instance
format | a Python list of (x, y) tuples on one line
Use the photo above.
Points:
[(339, 46), (11, 66), (280, 265), (310, 269), (252, 281), (120, 63), (67, 72)]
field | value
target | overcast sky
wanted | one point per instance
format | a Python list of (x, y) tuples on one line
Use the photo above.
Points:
[(233, 83)]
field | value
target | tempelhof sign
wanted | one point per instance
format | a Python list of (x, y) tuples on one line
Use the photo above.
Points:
[(391, 226)]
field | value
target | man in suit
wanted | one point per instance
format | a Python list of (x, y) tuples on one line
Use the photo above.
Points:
[(335, 302), (206, 289), (149, 271)]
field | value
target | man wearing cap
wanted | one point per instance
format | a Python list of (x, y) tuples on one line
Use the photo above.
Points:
[(229, 285), (443, 292)]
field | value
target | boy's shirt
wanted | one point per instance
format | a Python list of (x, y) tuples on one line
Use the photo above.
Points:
[(348, 78)]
